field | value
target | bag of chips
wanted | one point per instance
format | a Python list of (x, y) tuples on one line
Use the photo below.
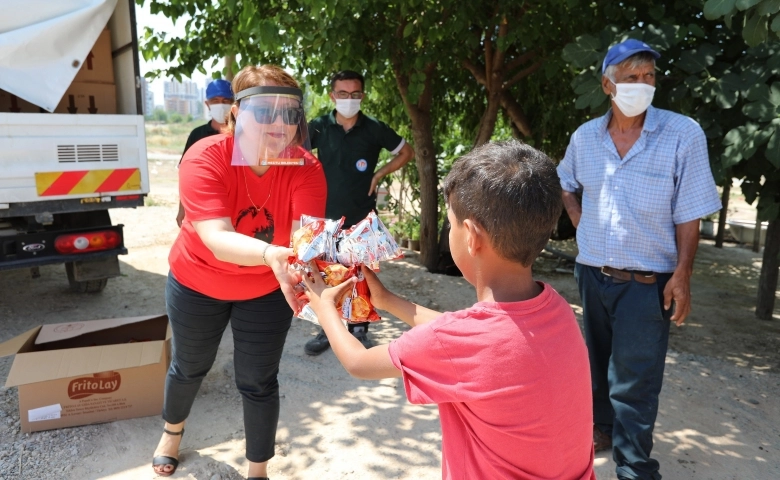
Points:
[(338, 255)]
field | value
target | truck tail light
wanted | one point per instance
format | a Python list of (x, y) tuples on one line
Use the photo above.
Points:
[(87, 242)]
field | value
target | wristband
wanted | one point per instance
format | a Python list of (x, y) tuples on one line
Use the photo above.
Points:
[(264, 251)]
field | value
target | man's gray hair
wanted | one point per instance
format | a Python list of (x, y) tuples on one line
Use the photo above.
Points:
[(634, 61)]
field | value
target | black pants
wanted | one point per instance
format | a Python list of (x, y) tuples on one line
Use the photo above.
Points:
[(260, 328)]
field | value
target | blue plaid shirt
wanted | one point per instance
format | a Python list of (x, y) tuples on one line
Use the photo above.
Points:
[(630, 206)]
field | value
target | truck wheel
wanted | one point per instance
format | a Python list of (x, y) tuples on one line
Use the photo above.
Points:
[(89, 286)]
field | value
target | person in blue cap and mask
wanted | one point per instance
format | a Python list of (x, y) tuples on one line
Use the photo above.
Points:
[(219, 98), (635, 184)]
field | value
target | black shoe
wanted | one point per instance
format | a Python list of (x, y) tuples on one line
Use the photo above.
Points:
[(361, 333), (317, 345)]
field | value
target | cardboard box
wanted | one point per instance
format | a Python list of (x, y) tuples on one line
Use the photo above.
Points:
[(11, 103), (88, 98), (82, 373), (98, 67)]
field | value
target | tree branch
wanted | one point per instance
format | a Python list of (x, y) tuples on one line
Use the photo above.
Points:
[(523, 73), (476, 70), (488, 56), (516, 113), (498, 60), (515, 63)]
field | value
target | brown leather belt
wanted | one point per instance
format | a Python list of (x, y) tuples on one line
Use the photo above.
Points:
[(626, 275)]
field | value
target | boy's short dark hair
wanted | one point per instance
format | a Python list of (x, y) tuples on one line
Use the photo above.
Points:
[(347, 75), (512, 191)]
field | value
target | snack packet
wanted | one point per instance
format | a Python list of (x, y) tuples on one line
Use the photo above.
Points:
[(315, 238), (355, 305), (368, 242)]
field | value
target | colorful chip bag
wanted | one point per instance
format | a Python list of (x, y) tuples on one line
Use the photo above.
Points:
[(338, 255)]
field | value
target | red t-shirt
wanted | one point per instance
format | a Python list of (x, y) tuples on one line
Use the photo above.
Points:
[(263, 207), (512, 382)]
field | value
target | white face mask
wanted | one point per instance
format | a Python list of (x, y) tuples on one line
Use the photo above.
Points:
[(633, 98), (219, 112), (348, 107)]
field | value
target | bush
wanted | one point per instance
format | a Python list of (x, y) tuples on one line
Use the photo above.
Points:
[(160, 115)]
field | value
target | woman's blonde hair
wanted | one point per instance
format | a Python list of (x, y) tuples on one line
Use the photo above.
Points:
[(257, 76)]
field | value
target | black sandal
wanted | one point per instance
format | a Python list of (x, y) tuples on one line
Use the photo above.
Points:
[(162, 460)]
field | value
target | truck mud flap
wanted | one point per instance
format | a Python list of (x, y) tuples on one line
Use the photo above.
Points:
[(97, 269)]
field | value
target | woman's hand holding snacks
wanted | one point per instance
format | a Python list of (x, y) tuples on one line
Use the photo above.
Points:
[(275, 257)]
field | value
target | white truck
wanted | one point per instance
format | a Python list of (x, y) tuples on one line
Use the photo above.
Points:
[(72, 142)]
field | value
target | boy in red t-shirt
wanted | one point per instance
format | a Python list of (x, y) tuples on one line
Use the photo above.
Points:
[(510, 374)]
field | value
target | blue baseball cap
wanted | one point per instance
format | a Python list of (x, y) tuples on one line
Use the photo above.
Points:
[(219, 88), (621, 51)]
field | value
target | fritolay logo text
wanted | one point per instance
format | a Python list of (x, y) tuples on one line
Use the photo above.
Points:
[(104, 382)]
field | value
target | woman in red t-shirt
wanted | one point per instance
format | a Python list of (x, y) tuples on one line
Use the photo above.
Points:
[(242, 197)]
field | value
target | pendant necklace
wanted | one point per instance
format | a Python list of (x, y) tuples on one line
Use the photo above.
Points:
[(250, 196)]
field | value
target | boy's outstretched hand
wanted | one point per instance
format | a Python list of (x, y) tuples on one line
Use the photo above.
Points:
[(320, 295), (379, 294), (372, 363)]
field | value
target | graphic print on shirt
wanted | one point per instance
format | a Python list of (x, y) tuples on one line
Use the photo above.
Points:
[(255, 223)]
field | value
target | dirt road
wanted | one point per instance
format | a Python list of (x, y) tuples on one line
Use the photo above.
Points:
[(720, 406)]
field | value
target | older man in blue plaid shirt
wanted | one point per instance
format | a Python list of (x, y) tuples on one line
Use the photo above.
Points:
[(645, 181)]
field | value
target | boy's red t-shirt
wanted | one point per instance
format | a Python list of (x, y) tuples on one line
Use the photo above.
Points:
[(262, 207), (512, 382)]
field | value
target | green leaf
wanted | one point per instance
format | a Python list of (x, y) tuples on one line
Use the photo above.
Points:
[(727, 19), (678, 93), (768, 7), (656, 12), (696, 60), (714, 9), (776, 24), (730, 157), (663, 37), (584, 52), (408, 29), (743, 5), (755, 30), (749, 190), (591, 95), (767, 211), (696, 30), (725, 96)]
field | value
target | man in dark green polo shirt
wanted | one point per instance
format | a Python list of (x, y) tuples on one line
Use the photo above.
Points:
[(348, 143), (219, 98)]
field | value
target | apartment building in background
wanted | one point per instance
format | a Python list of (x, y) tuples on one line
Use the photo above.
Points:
[(185, 98)]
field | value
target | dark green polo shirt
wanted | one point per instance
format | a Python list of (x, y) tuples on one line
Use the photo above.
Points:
[(199, 133), (349, 160)]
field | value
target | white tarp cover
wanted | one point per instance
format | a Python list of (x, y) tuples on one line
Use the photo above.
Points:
[(40, 40)]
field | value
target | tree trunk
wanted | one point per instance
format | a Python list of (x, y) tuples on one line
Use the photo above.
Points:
[(230, 61), (724, 201), (757, 235), (767, 282), (488, 122), (425, 158)]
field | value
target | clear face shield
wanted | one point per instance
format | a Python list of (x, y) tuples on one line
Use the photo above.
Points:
[(271, 128)]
